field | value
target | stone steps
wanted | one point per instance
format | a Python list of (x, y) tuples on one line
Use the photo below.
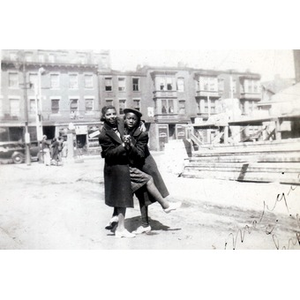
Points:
[(279, 163)]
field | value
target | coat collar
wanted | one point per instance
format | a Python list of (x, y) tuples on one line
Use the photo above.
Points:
[(110, 131)]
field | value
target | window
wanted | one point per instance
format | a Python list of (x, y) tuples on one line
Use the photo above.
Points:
[(198, 106), (108, 84), (104, 61), (169, 84), (160, 83), (197, 84), (233, 85), (121, 84), (54, 81), (180, 84), (206, 106), (213, 106), (137, 104), (89, 104), (13, 80), (167, 106), (88, 81), (33, 79), (73, 105), (14, 107), (28, 57), (221, 84), (82, 58), (181, 107), (55, 106), (32, 109), (73, 81), (51, 58), (41, 58), (251, 86), (212, 84), (122, 105), (135, 84), (13, 56), (109, 102)]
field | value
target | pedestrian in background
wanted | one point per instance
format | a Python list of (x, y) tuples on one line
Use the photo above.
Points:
[(64, 148), (46, 151), (54, 151)]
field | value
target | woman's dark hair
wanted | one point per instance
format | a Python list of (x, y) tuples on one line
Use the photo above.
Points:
[(104, 110)]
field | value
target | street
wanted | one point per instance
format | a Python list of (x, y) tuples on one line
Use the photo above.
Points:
[(62, 207)]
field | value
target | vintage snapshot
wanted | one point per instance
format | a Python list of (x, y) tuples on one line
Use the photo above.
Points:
[(109, 149)]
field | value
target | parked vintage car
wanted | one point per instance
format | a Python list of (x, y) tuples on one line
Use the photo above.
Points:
[(15, 152)]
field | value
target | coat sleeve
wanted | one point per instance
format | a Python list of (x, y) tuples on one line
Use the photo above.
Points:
[(110, 149), (140, 146)]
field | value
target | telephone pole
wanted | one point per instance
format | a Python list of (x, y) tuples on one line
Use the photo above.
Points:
[(27, 136)]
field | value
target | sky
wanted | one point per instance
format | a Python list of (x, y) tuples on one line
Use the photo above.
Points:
[(268, 63)]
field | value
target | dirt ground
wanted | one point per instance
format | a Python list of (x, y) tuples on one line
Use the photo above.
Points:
[(62, 207)]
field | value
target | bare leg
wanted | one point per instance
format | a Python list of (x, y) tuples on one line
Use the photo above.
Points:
[(121, 230), (121, 217), (154, 192), (167, 207)]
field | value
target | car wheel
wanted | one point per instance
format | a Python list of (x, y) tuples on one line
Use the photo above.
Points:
[(18, 158)]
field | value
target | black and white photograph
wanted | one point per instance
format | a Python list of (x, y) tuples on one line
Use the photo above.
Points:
[(149, 149), (176, 149)]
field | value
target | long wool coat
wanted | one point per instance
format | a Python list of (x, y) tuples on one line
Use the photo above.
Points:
[(117, 186), (142, 159)]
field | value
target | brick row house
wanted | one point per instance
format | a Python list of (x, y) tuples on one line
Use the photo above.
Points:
[(63, 87)]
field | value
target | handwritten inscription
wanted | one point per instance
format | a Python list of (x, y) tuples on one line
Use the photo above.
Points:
[(269, 227)]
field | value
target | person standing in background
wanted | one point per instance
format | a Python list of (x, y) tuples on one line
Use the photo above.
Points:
[(46, 151)]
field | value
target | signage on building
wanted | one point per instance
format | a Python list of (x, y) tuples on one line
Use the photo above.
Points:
[(150, 112), (82, 129)]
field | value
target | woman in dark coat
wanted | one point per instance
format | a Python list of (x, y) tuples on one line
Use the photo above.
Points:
[(141, 158), (117, 183)]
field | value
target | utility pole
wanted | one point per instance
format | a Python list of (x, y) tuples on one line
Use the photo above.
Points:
[(27, 136)]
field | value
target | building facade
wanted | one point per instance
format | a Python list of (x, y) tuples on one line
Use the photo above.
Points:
[(56, 89), (52, 89)]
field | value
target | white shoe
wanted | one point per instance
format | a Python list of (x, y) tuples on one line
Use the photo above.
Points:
[(112, 223), (124, 233), (142, 229), (172, 206)]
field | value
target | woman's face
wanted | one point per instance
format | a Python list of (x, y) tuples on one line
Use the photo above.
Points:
[(111, 116), (131, 120)]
